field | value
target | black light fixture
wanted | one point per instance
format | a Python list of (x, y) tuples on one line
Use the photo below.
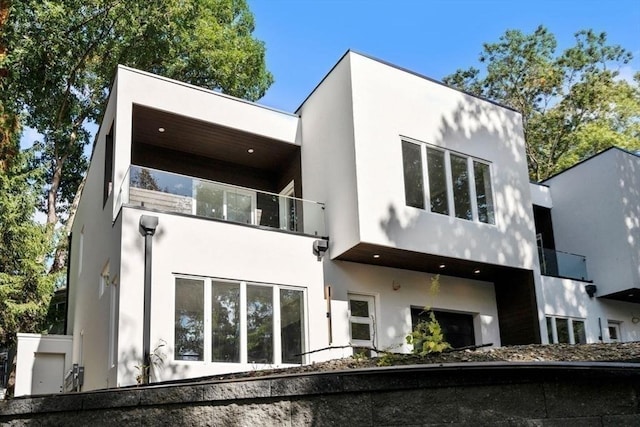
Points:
[(320, 247), (591, 290)]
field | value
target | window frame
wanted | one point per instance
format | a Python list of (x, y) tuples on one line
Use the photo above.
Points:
[(371, 320), (552, 334), (208, 283), (449, 187)]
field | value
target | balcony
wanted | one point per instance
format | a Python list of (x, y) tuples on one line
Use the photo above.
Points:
[(170, 192), (562, 264)]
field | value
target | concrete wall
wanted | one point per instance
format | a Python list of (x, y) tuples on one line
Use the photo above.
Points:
[(474, 394), (596, 213), (393, 306), (206, 248)]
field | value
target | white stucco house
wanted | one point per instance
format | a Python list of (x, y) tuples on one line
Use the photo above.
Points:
[(218, 235)]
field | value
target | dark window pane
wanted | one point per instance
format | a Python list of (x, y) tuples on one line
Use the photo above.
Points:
[(484, 196), (457, 328), (613, 333), (225, 322), (360, 331), (562, 326), (413, 184), (359, 308), (189, 320), (460, 180), (291, 325), (550, 330), (209, 200), (437, 182), (579, 335), (268, 206), (259, 324)]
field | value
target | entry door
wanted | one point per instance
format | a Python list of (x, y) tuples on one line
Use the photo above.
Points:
[(287, 207), (48, 373), (362, 320)]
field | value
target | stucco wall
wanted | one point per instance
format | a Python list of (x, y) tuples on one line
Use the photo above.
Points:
[(388, 104), (595, 213), (29, 348), (567, 298), (95, 242), (206, 248), (393, 307), (328, 155)]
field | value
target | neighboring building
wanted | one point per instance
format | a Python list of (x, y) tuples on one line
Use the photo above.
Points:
[(225, 208)]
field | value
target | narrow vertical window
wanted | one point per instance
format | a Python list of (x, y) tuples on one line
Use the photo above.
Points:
[(550, 329), (259, 324), (562, 328), (461, 192), (113, 324), (108, 166), (225, 318), (189, 320), (413, 180), (437, 182), (484, 198), (291, 325), (579, 334)]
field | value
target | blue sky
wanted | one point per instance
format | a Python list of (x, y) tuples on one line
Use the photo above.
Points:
[(305, 38)]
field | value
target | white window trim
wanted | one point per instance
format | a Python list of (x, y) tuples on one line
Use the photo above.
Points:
[(449, 182), (277, 339), (570, 320), (618, 326)]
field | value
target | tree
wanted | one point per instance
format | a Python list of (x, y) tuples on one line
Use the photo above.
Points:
[(25, 288), (573, 104), (63, 55)]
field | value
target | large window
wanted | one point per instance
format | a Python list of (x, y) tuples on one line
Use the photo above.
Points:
[(238, 322), (451, 184), (457, 328), (566, 331)]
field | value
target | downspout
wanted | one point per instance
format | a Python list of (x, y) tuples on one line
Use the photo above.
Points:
[(147, 229)]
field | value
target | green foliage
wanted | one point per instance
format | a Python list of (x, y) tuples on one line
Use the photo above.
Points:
[(62, 56), (574, 103), (427, 337), (25, 288)]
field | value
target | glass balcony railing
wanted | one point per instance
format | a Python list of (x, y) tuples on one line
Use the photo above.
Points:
[(562, 264), (170, 192)]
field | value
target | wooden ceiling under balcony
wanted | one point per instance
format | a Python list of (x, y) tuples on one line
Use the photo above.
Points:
[(210, 140)]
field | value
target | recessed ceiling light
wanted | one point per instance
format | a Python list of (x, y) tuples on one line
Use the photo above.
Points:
[(376, 256), (160, 130), (441, 266), (476, 271), (250, 151)]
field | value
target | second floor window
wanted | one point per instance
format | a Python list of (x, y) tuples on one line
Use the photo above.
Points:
[(447, 183)]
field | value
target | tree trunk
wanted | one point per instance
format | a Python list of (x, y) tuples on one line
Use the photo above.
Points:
[(52, 195)]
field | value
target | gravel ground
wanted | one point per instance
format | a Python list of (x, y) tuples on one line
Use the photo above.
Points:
[(615, 352)]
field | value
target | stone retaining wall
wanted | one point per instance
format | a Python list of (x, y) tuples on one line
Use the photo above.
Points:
[(540, 394)]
